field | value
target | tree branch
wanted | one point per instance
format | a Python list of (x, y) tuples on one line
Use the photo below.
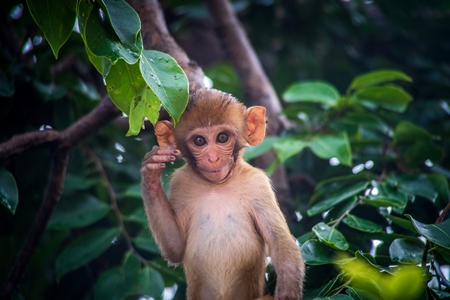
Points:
[(53, 193), (256, 86), (60, 143)]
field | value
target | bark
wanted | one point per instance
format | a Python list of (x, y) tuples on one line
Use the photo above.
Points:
[(52, 195), (256, 86)]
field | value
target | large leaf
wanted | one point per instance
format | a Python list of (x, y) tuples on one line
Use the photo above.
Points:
[(312, 91), (406, 251), (71, 213), (409, 132), (145, 241), (252, 152), (9, 196), (361, 224), (440, 185), (56, 19), (378, 77), (288, 147), (167, 80), (84, 249), (436, 233), (316, 253), (338, 197), (125, 22), (333, 146), (150, 283), (100, 37), (119, 282), (130, 93), (366, 120), (330, 236), (390, 97), (417, 185)]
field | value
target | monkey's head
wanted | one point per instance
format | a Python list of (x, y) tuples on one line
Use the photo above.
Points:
[(213, 131)]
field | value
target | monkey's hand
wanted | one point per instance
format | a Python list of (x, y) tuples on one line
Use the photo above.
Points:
[(153, 164)]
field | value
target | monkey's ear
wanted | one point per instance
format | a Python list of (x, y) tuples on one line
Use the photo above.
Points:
[(164, 133), (255, 117)]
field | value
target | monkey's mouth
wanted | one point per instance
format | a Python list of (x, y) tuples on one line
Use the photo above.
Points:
[(216, 175)]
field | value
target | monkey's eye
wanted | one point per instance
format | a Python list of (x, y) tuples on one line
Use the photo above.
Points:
[(199, 141), (222, 137)]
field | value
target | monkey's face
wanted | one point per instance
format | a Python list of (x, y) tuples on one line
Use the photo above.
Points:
[(213, 151)]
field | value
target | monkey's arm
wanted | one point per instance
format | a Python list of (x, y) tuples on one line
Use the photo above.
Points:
[(283, 249), (161, 217)]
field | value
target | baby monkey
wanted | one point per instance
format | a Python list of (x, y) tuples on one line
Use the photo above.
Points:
[(221, 216)]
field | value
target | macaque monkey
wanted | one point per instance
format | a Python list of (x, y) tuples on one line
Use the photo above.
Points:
[(221, 216)]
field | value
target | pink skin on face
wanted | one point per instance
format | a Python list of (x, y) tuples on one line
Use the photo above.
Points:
[(212, 148)]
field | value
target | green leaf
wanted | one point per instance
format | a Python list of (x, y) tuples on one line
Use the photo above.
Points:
[(362, 224), (119, 282), (252, 152), (436, 233), (337, 197), (385, 195), (409, 132), (137, 216), (417, 185), (150, 283), (125, 22), (9, 196), (316, 253), (366, 120), (333, 146), (312, 91), (74, 183), (133, 191), (362, 294), (102, 64), (330, 236), (99, 35), (145, 241), (71, 213), (167, 80), (84, 249), (406, 251), (130, 94), (403, 223), (389, 97), (144, 104), (56, 19), (440, 185), (418, 152), (288, 147), (378, 77)]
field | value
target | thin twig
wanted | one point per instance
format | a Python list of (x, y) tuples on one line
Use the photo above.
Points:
[(112, 196)]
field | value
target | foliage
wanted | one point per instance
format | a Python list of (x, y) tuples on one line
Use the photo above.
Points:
[(368, 167), (377, 184), (137, 80)]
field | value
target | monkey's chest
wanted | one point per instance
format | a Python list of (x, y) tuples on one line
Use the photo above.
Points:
[(222, 230)]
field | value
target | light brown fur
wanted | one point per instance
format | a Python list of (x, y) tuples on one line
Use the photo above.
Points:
[(220, 230)]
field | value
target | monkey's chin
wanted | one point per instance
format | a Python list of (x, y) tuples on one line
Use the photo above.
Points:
[(216, 175)]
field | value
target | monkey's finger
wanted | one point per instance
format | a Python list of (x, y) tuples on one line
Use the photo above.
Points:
[(159, 159)]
